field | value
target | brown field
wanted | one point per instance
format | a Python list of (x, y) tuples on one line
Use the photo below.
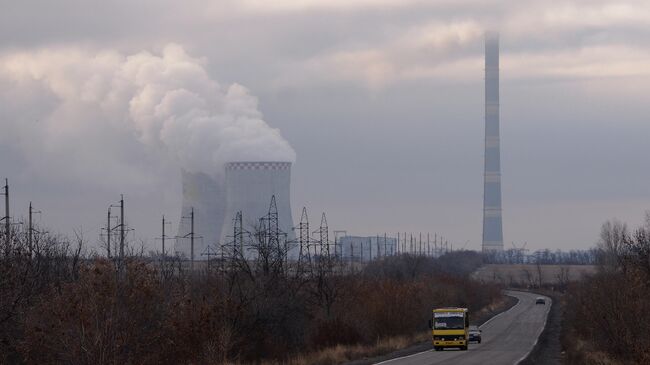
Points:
[(528, 274)]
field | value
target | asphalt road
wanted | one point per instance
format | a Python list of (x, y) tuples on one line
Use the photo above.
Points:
[(507, 337)]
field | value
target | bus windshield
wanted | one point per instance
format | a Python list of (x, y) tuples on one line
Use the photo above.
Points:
[(449, 323)]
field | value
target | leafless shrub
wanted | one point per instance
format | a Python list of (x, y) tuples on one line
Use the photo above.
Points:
[(610, 311)]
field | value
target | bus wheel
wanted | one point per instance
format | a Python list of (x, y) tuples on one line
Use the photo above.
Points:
[(437, 348), (463, 348)]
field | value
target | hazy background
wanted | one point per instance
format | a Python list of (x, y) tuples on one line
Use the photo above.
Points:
[(381, 100)]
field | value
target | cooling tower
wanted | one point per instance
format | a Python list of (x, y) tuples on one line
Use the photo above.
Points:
[(492, 223), (206, 196), (249, 187)]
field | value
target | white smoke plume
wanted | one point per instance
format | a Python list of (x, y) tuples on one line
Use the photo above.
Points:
[(75, 102)]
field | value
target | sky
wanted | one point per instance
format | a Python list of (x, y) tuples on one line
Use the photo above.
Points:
[(379, 102)]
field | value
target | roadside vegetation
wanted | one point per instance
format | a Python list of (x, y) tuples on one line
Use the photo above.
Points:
[(607, 315), (61, 304)]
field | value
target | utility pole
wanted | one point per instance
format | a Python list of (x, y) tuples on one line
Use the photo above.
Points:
[(192, 239), (108, 233), (123, 230), (164, 236), (191, 235), (31, 228), (6, 218), (121, 227)]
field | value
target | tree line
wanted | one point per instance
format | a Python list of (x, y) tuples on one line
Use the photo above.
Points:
[(61, 304), (542, 257)]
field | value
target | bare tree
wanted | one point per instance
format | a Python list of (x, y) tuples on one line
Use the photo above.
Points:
[(611, 245)]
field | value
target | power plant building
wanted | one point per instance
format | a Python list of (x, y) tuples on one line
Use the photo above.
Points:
[(492, 219), (204, 198), (249, 187)]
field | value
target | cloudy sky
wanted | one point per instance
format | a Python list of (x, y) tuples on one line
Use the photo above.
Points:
[(380, 100)]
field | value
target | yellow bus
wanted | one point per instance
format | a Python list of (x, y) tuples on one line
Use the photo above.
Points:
[(450, 328)]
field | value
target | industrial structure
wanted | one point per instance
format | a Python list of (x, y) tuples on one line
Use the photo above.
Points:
[(492, 222), (221, 212), (249, 187), (202, 215), (358, 248)]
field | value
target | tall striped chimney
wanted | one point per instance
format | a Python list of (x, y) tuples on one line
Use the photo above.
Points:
[(492, 223)]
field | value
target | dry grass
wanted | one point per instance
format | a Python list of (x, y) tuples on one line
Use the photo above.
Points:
[(488, 311), (343, 353), (585, 353)]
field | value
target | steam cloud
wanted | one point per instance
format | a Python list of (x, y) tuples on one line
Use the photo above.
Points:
[(166, 103)]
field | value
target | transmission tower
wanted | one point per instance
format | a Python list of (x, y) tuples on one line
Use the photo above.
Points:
[(323, 237), (238, 236), (303, 229), (273, 228)]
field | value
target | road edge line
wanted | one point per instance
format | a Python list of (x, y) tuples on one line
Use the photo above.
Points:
[(403, 357)]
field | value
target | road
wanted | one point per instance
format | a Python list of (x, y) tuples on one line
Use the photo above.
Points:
[(507, 338)]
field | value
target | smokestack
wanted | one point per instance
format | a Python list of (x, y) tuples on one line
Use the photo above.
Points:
[(492, 222), (206, 196), (249, 187)]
